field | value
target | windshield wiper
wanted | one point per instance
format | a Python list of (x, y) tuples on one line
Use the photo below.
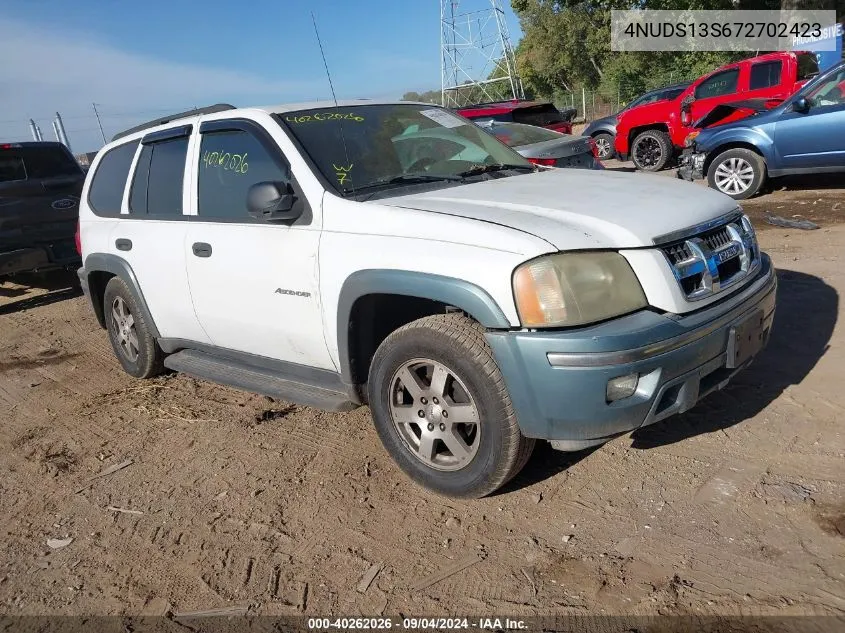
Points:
[(404, 179), (485, 169)]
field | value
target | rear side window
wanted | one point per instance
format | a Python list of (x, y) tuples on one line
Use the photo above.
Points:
[(11, 167), (105, 195), (808, 66), (720, 84), (765, 75), (230, 163), (22, 163), (157, 185)]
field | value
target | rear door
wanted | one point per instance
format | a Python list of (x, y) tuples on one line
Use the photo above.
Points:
[(767, 80), (152, 229), (40, 185)]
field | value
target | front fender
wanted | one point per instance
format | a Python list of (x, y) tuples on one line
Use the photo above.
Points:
[(461, 294), (718, 140)]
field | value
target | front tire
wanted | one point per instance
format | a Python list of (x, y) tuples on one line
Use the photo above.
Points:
[(604, 146), (129, 333), (739, 173), (651, 150), (442, 410)]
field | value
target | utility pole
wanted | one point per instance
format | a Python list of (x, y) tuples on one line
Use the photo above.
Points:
[(97, 114), (56, 132), (34, 130)]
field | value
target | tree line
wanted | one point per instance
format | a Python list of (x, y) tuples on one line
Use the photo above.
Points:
[(566, 48)]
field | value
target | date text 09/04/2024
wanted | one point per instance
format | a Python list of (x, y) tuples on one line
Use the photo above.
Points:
[(326, 624)]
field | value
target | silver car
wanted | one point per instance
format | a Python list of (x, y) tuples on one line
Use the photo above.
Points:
[(546, 147)]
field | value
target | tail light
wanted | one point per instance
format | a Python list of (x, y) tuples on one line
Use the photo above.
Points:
[(593, 147), (548, 162), (77, 238)]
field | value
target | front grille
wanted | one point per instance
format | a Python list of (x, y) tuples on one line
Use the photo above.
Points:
[(709, 262)]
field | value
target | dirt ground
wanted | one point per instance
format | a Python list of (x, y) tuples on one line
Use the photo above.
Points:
[(233, 500)]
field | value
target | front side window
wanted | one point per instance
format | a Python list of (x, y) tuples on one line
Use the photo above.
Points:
[(720, 84), (765, 75), (105, 195), (230, 163), (364, 146), (157, 184), (830, 91)]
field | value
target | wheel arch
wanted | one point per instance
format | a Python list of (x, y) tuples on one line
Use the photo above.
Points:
[(728, 145), (635, 131), (99, 269), (373, 296)]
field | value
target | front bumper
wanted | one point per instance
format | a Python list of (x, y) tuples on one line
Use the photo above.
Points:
[(691, 165), (558, 380), (59, 254)]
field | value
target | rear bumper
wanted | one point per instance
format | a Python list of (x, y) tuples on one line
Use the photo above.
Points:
[(558, 380), (59, 254)]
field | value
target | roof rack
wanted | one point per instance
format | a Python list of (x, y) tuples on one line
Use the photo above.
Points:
[(217, 107)]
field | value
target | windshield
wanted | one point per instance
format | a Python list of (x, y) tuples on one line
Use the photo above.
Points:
[(361, 146), (517, 134)]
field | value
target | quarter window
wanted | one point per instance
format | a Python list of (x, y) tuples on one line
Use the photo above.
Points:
[(230, 163), (765, 75), (720, 84), (106, 193), (157, 185)]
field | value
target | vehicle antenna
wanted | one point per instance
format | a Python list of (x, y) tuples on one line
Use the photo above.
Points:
[(334, 96)]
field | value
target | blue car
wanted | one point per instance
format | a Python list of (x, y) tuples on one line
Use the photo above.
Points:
[(804, 134)]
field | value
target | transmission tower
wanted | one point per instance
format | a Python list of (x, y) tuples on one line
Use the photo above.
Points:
[(477, 59)]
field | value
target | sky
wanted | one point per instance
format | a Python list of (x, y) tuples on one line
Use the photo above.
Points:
[(138, 60)]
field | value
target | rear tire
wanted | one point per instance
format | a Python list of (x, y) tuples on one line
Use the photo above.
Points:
[(129, 333), (738, 173), (467, 442), (604, 146), (651, 150)]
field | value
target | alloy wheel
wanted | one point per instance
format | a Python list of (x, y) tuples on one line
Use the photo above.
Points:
[(648, 152), (124, 328), (603, 148), (734, 176), (434, 414)]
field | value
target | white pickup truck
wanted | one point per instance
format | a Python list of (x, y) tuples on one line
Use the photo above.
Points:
[(396, 255)]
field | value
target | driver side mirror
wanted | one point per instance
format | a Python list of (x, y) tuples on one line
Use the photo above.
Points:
[(272, 201), (801, 104)]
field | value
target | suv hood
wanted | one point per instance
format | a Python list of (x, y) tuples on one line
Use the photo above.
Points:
[(579, 209)]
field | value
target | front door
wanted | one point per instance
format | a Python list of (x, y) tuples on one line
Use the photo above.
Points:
[(815, 138), (255, 284)]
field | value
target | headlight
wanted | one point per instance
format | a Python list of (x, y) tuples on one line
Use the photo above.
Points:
[(688, 141), (575, 288)]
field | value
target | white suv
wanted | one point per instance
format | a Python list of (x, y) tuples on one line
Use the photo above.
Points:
[(394, 254)]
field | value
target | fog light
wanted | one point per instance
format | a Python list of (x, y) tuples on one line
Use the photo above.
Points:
[(622, 387)]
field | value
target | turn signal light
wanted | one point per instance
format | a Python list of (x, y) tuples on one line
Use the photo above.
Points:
[(77, 238), (548, 162)]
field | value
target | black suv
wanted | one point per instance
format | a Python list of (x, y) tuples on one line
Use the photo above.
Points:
[(40, 186)]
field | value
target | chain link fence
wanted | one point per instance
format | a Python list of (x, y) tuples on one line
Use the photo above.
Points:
[(592, 104)]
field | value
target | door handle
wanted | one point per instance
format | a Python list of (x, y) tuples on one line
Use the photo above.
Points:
[(201, 249), (123, 244)]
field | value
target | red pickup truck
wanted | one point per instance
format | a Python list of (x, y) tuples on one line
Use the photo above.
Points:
[(652, 134)]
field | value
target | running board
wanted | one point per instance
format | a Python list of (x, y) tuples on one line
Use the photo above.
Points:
[(232, 373)]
